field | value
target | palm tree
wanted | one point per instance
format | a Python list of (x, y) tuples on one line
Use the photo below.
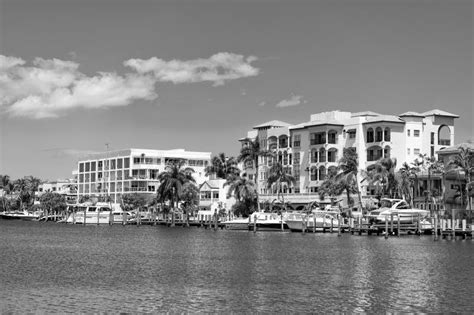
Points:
[(172, 180), (279, 177), (7, 186), (244, 191), (463, 161), (190, 198), (405, 179), (349, 168), (430, 164), (21, 186), (250, 154), (382, 176), (222, 166), (33, 184), (331, 187)]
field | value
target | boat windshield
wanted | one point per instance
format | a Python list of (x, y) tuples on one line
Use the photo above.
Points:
[(385, 203)]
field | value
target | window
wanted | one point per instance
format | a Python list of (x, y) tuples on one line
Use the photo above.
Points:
[(93, 166), (322, 155), (408, 151), (386, 152), (119, 163), (282, 142), (352, 134), (99, 165), (126, 162), (314, 156), (215, 195), (408, 132), (444, 135), (81, 167), (322, 173), (332, 136), (285, 158), (296, 173), (314, 173), (416, 133), (378, 134), (332, 153), (416, 151), (370, 135), (297, 141), (88, 166), (374, 153), (318, 138), (112, 164), (386, 134), (432, 138), (296, 159)]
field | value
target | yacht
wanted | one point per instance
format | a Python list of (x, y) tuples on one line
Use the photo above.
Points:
[(399, 209), (98, 213), (316, 219), (21, 215), (267, 221)]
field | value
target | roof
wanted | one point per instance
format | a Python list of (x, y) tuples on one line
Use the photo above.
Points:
[(272, 123), (386, 118), (455, 148), (366, 113), (317, 123), (411, 114), (438, 112)]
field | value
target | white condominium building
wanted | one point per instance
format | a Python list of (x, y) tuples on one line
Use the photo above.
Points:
[(310, 149), (132, 170)]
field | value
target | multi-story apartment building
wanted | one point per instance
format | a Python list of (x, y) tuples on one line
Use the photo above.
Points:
[(116, 173), (312, 148)]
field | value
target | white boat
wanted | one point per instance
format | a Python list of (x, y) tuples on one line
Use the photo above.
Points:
[(266, 221), (96, 214), (317, 219), (237, 224), (398, 209), (21, 215)]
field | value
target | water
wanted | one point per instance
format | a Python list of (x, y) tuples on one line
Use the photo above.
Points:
[(57, 268)]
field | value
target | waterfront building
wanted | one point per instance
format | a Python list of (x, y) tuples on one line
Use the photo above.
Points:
[(114, 173), (309, 150), (213, 195), (66, 187)]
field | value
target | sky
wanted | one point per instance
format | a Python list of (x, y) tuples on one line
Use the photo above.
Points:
[(197, 75)]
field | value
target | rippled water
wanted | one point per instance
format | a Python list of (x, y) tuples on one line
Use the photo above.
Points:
[(56, 268)]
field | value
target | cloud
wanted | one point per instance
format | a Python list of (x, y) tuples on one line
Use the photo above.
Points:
[(262, 104), (294, 100), (49, 88), (217, 69)]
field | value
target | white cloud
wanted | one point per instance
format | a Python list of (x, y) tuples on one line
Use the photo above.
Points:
[(294, 100), (262, 104), (217, 69), (50, 87)]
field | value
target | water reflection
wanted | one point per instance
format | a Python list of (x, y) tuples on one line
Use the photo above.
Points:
[(63, 268)]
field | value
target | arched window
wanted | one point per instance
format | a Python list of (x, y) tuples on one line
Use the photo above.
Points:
[(314, 156), (374, 153), (386, 152), (283, 141), (322, 173), (332, 136), (322, 155), (314, 173), (386, 134), (444, 135), (370, 135), (378, 134), (332, 155)]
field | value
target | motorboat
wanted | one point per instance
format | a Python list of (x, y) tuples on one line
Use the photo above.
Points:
[(238, 223), (21, 215), (396, 210), (266, 221), (316, 219), (98, 213)]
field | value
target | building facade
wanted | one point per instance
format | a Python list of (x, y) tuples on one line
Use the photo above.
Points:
[(311, 149), (120, 172)]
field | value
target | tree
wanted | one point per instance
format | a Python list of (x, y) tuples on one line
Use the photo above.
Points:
[(347, 176), (21, 187), (33, 184), (222, 166), (381, 175), (53, 202), (244, 191), (7, 186), (405, 180), (429, 164), (280, 177), (250, 154), (190, 198), (331, 187), (134, 201), (463, 161), (172, 180)]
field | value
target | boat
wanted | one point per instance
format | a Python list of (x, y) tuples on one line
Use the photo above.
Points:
[(398, 209), (238, 223), (21, 215), (266, 221), (98, 213), (320, 220)]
